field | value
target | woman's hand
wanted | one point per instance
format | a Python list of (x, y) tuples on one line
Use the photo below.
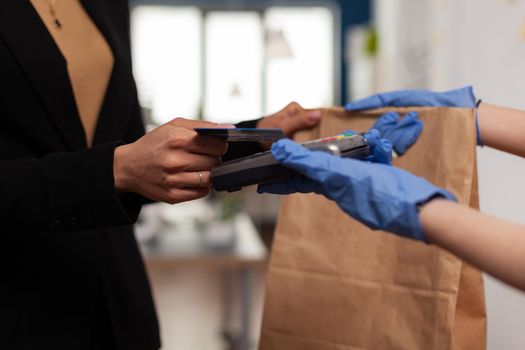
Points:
[(291, 119), (170, 164)]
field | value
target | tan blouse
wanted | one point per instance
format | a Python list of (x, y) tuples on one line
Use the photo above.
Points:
[(89, 57)]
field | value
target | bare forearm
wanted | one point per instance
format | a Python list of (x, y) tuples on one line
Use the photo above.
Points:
[(502, 128), (490, 244)]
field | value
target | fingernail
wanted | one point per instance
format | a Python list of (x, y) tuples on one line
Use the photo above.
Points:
[(314, 116), (226, 126)]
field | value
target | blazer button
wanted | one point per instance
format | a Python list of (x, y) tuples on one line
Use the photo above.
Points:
[(87, 221), (71, 224), (56, 226)]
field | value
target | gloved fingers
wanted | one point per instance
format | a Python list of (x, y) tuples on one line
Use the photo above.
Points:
[(297, 157), (316, 165), (408, 119), (382, 152), (285, 150), (406, 133), (401, 98), (462, 97), (372, 137), (372, 102), (402, 132), (386, 122)]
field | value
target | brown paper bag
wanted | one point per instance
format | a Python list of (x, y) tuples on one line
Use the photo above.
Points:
[(335, 284)]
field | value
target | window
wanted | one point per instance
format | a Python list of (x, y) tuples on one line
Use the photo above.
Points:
[(234, 53), (167, 60), (305, 75), (227, 66)]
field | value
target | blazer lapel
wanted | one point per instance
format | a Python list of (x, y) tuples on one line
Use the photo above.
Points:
[(44, 67)]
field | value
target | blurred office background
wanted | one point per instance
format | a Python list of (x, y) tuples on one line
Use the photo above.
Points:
[(233, 60)]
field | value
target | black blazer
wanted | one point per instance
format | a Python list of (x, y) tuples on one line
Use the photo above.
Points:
[(71, 275)]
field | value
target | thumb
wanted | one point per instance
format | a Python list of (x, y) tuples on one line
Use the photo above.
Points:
[(316, 165), (382, 153), (372, 137), (285, 150), (307, 119), (313, 116)]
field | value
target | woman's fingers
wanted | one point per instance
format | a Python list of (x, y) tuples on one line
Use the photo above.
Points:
[(190, 162), (180, 138), (179, 195), (207, 145), (169, 164), (292, 118), (189, 179)]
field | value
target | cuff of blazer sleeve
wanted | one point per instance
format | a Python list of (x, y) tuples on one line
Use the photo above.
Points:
[(83, 196), (133, 203)]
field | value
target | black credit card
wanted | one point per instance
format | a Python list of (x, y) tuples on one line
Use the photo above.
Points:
[(243, 134)]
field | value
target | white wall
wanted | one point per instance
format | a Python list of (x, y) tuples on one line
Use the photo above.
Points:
[(479, 43), (489, 53)]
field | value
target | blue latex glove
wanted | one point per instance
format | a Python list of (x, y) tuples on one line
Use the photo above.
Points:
[(380, 196), (461, 98), (380, 148), (401, 132)]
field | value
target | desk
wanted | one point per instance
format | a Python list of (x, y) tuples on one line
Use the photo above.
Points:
[(185, 248)]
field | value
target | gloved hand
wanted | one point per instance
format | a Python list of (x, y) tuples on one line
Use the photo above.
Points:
[(380, 196), (401, 132), (380, 148), (462, 98)]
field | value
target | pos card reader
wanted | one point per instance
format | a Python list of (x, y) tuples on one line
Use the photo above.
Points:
[(262, 167)]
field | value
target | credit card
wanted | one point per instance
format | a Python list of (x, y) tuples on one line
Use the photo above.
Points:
[(243, 134)]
